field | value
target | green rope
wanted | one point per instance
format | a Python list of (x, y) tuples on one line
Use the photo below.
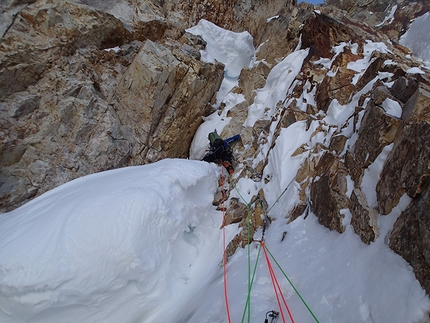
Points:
[(248, 299), (235, 188), (250, 282), (277, 200), (248, 220), (297, 292)]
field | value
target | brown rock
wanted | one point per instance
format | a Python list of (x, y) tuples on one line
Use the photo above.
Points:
[(375, 67), (337, 143), (236, 212), (252, 220), (380, 94), (238, 115), (377, 130), (364, 218), (321, 32), (359, 13), (251, 79), (328, 192), (404, 88), (297, 211), (282, 29), (340, 86), (291, 115), (417, 109), (407, 167), (38, 32), (411, 235), (90, 124)]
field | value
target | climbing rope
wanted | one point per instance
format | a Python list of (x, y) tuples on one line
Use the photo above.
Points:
[(225, 248), (292, 285), (277, 287), (266, 252), (248, 298), (277, 200)]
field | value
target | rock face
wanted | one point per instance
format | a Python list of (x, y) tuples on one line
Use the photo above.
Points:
[(166, 90), (71, 108), (407, 167), (410, 237), (328, 192), (87, 86)]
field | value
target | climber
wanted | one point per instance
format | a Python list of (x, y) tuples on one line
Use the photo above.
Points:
[(220, 151)]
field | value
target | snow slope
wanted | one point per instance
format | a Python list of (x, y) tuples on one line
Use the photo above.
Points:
[(144, 244), (122, 242), (417, 38)]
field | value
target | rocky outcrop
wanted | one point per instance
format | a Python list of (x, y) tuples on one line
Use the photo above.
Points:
[(390, 17), (328, 192), (253, 216), (167, 92), (410, 237), (105, 84), (377, 127), (40, 34), (71, 108), (407, 169), (331, 179), (364, 218)]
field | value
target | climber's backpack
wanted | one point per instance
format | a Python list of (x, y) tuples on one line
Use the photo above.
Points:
[(215, 140)]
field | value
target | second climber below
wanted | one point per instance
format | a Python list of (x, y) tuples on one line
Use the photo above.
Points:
[(220, 151)]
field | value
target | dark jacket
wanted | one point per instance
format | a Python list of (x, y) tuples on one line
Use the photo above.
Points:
[(219, 152)]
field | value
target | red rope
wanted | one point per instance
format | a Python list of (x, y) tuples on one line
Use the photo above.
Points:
[(225, 249), (277, 287), (283, 298), (275, 283)]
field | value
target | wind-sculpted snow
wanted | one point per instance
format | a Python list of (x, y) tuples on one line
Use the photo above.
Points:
[(277, 85), (234, 50), (127, 238)]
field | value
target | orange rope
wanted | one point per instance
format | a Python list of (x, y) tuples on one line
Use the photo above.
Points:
[(225, 249), (277, 287)]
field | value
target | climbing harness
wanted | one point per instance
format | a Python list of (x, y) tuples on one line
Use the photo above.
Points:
[(227, 166)]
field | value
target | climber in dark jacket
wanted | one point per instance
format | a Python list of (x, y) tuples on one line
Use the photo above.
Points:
[(220, 151)]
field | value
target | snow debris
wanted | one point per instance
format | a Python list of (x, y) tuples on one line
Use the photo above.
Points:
[(414, 70), (392, 107)]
